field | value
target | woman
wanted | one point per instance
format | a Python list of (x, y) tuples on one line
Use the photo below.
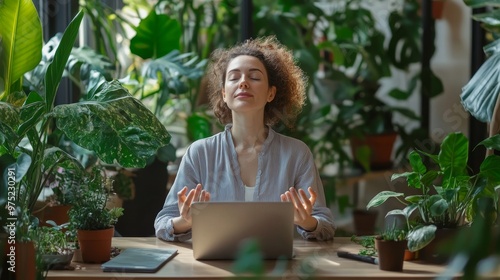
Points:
[(253, 86)]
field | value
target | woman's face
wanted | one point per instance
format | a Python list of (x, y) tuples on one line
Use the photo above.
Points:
[(247, 87)]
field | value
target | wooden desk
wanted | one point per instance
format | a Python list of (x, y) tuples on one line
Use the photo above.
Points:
[(320, 258)]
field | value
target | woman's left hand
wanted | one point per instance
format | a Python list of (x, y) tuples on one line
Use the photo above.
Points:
[(303, 207)]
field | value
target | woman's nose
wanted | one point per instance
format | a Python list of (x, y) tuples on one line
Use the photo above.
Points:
[(243, 82)]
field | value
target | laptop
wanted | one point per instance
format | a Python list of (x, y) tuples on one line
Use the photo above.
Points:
[(145, 260), (220, 229)]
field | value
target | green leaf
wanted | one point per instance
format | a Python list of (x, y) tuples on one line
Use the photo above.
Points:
[(395, 212), (404, 44), (415, 199), (489, 18), (490, 168), (56, 68), (21, 33), (23, 164), (54, 156), (156, 36), (437, 86), (117, 127), (381, 197), (492, 142), (362, 155), (482, 3), (30, 116), (409, 210), (420, 237), (249, 258), (416, 163), (10, 115), (429, 177), (307, 62), (439, 206), (454, 153), (400, 175), (166, 153), (84, 59), (173, 73), (198, 127), (414, 181)]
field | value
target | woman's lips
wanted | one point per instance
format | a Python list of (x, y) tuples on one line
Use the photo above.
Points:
[(243, 95)]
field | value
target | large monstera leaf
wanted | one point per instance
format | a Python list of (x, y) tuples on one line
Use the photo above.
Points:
[(156, 36), (113, 124)]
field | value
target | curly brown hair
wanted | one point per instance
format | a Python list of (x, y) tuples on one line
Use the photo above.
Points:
[(282, 71)]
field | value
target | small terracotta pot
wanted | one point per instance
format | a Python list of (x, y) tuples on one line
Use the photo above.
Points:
[(380, 148), (437, 9), (56, 213), (95, 245), (390, 254), (409, 255)]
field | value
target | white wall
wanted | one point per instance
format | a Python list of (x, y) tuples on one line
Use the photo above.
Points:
[(451, 62)]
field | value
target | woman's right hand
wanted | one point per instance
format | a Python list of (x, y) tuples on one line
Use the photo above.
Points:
[(183, 223)]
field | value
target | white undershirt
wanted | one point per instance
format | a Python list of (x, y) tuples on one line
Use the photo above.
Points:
[(249, 193)]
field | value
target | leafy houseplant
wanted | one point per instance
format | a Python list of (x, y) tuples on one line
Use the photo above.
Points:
[(368, 244), (53, 246), (447, 191), (89, 211), (391, 245), (111, 123), (92, 220)]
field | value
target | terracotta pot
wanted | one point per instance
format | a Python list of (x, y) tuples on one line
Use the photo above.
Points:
[(436, 252), (57, 213), (25, 263), (437, 8), (95, 245), (364, 221), (380, 146), (409, 255), (390, 254)]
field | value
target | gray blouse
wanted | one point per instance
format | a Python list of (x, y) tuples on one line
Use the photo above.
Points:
[(283, 162)]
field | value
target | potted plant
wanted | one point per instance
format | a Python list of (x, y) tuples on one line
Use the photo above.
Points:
[(447, 191), (391, 245), (111, 123), (92, 220), (53, 246), (114, 121)]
